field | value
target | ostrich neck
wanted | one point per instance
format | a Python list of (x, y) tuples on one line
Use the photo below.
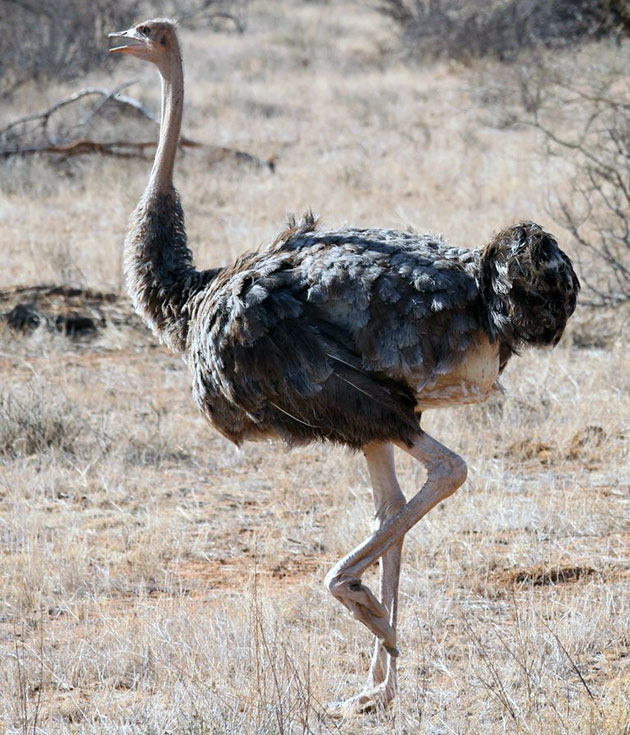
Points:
[(161, 277), (161, 180)]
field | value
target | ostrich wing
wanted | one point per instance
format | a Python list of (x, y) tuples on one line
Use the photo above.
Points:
[(328, 334), (407, 301)]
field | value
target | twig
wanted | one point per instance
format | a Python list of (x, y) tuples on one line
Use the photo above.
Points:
[(499, 692), (114, 93), (566, 653)]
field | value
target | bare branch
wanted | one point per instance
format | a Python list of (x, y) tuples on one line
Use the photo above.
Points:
[(45, 115), (581, 120), (68, 143)]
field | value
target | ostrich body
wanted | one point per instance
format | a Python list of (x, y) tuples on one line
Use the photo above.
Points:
[(343, 335)]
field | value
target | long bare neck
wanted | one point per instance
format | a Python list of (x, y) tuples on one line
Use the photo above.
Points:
[(172, 75), (161, 277)]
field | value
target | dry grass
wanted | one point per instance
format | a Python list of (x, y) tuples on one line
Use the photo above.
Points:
[(154, 579)]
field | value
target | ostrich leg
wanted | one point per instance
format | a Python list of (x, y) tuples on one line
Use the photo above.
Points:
[(388, 500), (446, 471)]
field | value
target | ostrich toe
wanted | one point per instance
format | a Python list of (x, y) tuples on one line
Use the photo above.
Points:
[(365, 607)]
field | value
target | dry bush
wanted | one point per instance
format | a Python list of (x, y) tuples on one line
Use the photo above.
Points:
[(597, 209), (67, 38), (465, 29), (56, 39), (581, 105)]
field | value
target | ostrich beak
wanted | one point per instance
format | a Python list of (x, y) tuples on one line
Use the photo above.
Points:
[(137, 42)]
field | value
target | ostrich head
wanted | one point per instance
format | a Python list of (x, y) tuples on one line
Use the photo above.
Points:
[(528, 286), (153, 40)]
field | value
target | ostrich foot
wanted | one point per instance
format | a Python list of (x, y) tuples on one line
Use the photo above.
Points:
[(369, 700), (364, 606)]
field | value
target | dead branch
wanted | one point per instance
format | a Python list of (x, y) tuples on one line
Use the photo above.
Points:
[(30, 134), (139, 149), (108, 95), (121, 148)]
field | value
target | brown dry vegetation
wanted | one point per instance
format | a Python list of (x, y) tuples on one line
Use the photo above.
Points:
[(155, 579)]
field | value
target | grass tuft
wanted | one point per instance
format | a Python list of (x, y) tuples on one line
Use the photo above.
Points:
[(36, 420)]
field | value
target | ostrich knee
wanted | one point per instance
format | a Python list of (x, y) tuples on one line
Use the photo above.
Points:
[(455, 470)]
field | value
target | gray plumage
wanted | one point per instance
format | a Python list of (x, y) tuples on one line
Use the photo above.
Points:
[(331, 335)]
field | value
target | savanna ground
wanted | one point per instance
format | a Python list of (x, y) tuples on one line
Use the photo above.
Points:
[(154, 578)]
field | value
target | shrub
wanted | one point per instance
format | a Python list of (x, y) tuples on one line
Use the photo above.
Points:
[(62, 39), (580, 102), (597, 209), (57, 39), (465, 29)]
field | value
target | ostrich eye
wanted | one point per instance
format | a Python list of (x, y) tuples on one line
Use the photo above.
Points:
[(145, 30)]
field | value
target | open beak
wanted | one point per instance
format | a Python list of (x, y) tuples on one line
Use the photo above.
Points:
[(136, 42)]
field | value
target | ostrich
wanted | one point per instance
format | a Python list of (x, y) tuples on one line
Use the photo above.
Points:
[(343, 336)]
